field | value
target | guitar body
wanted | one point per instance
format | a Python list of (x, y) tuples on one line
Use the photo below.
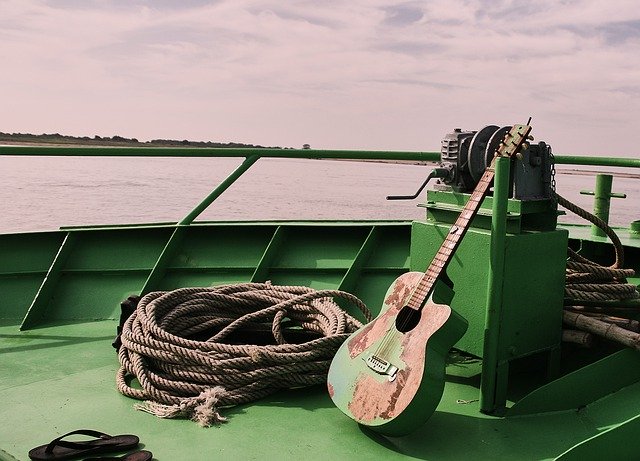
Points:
[(389, 375), (400, 399)]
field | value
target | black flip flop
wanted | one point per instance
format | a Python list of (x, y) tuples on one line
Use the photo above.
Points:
[(59, 449), (142, 455)]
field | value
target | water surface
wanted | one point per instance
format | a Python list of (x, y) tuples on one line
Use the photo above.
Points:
[(44, 193)]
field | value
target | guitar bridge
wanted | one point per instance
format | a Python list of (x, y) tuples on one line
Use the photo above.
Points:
[(382, 367)]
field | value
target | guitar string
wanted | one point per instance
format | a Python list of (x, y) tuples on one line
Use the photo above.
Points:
[(387, 343), (388, 340)]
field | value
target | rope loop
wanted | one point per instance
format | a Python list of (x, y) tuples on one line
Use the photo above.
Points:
[(587, 281), (196, 350)]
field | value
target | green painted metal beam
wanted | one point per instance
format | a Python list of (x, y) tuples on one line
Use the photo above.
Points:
[(583, 386), (36, 311), (350, 279), (64, 151), (217, 192), (597, 161), (492, 393), (602, 200), (178, 234), (102, 151), (261, 272)]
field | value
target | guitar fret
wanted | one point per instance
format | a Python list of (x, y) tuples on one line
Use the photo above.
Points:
[(459, 228), (444, 253)]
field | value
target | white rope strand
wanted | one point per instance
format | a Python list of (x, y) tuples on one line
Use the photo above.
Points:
[(178, 344)]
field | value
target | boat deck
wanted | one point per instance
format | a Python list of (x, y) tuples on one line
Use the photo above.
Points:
[(60, 378), (58, 374)]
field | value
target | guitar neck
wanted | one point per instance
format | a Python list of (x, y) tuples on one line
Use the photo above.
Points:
[(452, 240)]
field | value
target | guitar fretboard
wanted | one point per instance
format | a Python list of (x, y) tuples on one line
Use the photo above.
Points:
[(451, 242)]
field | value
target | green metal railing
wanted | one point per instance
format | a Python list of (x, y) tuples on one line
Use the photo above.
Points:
[(492, 369), (598, 161), (74, 151), (64, 151), (252, 155)]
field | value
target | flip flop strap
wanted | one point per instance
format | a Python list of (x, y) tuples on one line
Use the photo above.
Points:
[(77, 445)]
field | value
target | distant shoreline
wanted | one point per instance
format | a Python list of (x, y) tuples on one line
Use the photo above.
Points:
[(56, 139), (63, 141)]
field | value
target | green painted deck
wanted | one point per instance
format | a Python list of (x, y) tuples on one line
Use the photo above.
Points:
[(60, 378), (60, 293), (58, 373)]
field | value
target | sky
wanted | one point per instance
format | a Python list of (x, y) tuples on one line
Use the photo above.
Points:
[(357, 74)]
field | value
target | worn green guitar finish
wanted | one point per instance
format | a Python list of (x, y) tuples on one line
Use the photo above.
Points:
[(389, 375), (393, 381)]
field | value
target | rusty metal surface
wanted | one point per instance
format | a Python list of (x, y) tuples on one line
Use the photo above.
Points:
[(369, 397)]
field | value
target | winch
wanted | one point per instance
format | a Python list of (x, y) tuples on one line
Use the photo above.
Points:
[(526, 325), (465, 155)]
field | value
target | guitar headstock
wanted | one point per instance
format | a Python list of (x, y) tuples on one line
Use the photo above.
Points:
[(515, 140)]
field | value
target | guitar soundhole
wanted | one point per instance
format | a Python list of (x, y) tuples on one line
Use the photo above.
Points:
[(407, 319)]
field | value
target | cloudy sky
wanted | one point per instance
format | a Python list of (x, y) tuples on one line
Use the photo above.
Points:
[(357, 74)]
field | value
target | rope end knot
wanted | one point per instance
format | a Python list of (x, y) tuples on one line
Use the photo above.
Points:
[(202, 408)]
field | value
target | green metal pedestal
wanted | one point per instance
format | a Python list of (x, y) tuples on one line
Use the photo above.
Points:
[(530, 318)]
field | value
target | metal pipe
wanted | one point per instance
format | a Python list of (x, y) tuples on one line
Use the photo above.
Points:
[(223, 186), (597, 161), (176, 237), (602, 201), (489, 400), (104, 151), (216, 152)]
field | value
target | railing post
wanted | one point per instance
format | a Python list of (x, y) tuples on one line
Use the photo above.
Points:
[(217, 192), (175, 240), (602, 196), (494, 373)]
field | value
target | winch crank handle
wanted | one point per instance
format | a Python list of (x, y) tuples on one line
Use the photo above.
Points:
[(435, 173)]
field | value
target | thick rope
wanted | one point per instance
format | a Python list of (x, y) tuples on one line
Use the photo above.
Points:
[(617, 245), (180, 346), (590, 281)]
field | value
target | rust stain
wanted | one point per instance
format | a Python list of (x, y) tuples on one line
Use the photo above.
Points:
[(375, 397), (394, 409), (331, 391), (369, 398), (373, 331), (402, 287), (398, 294)]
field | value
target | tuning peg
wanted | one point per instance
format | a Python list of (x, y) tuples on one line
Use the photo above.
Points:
[(519, 156), (530, 138), (525, 145)]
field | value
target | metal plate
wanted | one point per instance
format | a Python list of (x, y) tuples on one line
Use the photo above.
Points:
[(477, 152)]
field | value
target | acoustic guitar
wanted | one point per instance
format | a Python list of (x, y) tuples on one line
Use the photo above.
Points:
[(389, 375)]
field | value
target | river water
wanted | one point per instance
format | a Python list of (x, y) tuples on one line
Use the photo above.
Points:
[(44, 193)]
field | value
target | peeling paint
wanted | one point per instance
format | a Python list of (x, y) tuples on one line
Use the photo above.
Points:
[(331, 391), (375, 399), (369, 397), (397, 295)]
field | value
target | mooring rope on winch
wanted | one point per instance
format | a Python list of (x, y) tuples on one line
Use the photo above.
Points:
[(177, 345), (587, 280)]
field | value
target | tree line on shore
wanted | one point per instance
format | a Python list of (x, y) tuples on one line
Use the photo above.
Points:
[(116, 140)]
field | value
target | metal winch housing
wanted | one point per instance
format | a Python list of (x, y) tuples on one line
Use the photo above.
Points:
[(467, 154)]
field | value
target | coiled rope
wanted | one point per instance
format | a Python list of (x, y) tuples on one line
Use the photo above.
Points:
[(589, 281), (180, 347)]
